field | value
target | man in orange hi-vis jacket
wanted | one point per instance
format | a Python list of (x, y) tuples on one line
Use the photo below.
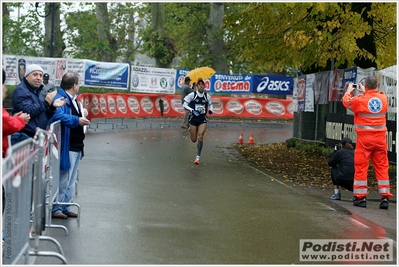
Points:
[(370, 108)]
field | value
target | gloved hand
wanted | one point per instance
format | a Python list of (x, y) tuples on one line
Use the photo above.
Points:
[(196, 113), (210, 112)]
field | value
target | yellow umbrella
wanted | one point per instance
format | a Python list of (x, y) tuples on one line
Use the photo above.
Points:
[(202, 72)]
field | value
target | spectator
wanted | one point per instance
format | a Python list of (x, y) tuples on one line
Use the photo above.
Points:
[(73, 118), (198, 104), (28, 99), (48, 86), (343, 169), (369, 108), (11, 124), (185, 90)]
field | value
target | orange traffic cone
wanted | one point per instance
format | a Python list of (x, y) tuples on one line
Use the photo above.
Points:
[(240, 139), (251, 139)]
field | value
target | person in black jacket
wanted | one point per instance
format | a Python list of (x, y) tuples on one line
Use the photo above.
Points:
[(343, 168)]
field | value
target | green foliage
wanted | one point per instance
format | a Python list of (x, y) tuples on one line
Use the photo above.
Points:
[(272, 36), (159, 46), (261, 37), (186, 24), (291, 142), (308, 147), (125, 20), (23, 36)]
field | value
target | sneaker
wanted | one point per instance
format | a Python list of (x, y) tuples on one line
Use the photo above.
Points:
[(196, 161), (384, 203), (359, 202), (336, 196)]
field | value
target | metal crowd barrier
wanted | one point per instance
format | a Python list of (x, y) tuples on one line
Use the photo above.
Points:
[(39, 199), (53, 172), (17, 182), (35, 161)]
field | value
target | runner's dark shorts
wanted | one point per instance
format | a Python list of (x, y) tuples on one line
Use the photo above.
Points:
[(197, 121)]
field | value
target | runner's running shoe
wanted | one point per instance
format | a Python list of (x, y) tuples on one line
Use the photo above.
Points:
[(196, 161)]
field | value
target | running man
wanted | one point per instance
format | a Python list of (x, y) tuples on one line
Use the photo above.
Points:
[(198, 103)]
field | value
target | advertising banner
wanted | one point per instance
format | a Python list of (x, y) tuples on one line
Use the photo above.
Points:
[(309, 93), (321, 85), (336, 89), (227, 83), (106, 75), (350, 76), (64, 65), (47, 64), (9, 64), (147, 105), (180, 75), (295, 96), (363, 73), (388, 86), (273, 85), (153, 80), (301, 92)]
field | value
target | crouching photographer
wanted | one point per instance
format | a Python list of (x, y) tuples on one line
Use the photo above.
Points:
[(343, 169)]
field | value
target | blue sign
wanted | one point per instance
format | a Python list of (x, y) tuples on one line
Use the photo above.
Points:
[(180, 74), (231, 83), (350, 76), (273, 85), (107, 75)]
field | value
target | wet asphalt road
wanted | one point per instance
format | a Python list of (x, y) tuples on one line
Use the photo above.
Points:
[(143, 201)]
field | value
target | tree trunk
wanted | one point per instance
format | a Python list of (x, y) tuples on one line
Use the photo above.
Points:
[(216, 45), (107, 44), (158, 26), (158, 17), (6, 12), (130, 51), (53, 11)]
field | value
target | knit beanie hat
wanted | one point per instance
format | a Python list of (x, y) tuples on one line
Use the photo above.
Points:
[(32, 68)]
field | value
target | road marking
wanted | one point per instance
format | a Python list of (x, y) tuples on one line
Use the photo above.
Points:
[(358, 224), (326, 206)]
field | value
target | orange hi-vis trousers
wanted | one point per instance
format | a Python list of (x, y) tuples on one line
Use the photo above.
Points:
[(371, 144)]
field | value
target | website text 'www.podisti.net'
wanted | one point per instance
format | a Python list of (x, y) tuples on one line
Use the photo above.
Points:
[(346, 250)]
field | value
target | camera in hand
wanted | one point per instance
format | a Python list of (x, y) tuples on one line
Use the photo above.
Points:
[(354, 86), (338, 146)]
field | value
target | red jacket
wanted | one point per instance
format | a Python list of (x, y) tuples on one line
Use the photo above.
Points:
[(10, 125)]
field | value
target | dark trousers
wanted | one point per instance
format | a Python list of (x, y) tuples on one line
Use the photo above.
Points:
[(345, 183)]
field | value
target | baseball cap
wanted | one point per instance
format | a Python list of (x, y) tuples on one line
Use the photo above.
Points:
[(187, 79), (46, 76), (346, 140)]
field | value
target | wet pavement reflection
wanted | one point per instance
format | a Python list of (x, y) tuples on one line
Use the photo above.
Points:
[(143, 201)]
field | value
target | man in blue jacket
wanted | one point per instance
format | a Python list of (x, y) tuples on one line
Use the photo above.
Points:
[(73, 118), (27, 98)]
